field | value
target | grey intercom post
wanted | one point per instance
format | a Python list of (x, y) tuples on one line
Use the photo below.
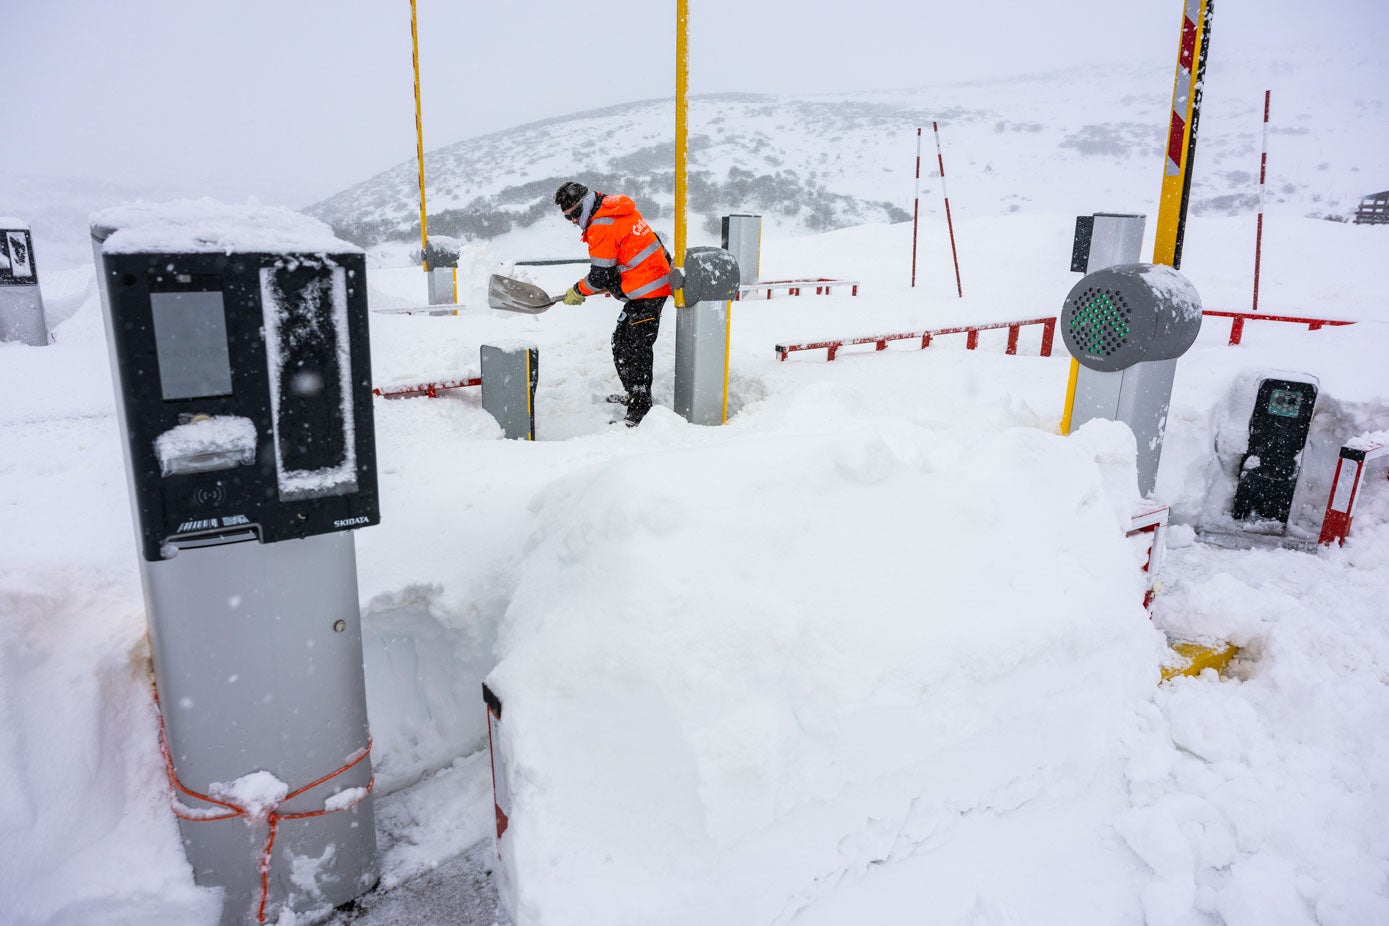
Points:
[(1126, 325), (239, 349), (742, 237), (21, 303), (710, 281)]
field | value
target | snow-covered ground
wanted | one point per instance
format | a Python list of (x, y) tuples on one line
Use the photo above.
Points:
[(874, 651)]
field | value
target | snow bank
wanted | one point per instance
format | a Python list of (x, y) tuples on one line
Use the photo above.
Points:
[(728, 724)]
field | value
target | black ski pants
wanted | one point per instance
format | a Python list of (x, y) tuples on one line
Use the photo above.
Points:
[(634, 340)]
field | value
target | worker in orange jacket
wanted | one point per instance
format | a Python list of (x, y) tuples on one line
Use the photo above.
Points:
[(628, 261)]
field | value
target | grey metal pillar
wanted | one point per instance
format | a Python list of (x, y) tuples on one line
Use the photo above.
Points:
[(441, 288), (701, 362), (1138, 396), (21, 303), (261, 688), (509, 377), (710, 281), (742, 237)]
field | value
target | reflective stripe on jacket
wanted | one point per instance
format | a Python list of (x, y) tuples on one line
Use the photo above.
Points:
[(619, 239)]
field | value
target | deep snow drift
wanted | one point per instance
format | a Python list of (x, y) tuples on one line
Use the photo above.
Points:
[(872, 651)]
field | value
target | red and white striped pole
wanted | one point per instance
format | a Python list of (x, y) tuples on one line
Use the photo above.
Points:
[(940, 162), (1259, 234), (916, 203)]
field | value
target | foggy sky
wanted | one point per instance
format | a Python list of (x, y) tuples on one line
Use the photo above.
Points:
[(292, 100)]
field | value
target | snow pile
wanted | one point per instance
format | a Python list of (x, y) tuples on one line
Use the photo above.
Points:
[(230, 437), (1259, 799), (729, 720), (205, 225)]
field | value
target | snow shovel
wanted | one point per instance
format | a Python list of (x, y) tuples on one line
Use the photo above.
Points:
[(510, 295)]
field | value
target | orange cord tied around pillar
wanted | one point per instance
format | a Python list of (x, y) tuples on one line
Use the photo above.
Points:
[(272, 817)]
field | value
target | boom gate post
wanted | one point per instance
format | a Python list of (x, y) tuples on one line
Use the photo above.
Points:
[(21, 303), (710, 281), (1125, 326), (239, 349)]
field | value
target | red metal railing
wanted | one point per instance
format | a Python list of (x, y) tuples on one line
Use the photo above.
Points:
[(430, 390), (1237, 320), (925, 337), (793, 287)]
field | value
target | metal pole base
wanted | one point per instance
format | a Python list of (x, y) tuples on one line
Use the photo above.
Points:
[(701, 362)]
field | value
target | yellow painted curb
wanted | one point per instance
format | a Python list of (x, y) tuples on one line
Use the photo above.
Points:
[(1196, 658)]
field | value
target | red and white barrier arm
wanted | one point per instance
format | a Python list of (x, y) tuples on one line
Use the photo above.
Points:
[(822, 285), (429, 390)]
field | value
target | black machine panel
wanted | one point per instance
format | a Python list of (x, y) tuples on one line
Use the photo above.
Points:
[(1277, 433), (246, 383), (17, 257)]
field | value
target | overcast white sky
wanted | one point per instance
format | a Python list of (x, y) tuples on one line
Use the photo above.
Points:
[(292, 100)]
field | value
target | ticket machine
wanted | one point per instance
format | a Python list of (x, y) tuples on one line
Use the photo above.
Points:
[(21, 302), (1278, 429), (239, 349)]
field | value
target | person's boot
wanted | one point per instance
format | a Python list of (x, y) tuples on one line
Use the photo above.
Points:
[(638, 404)]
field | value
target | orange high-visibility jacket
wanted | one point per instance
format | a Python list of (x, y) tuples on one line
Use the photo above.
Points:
[(619, 238)]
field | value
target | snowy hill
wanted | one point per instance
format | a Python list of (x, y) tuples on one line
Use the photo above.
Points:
[(1024, 144)]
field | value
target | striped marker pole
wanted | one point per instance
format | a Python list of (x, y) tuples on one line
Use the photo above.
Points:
[(940, 162), (1259, 233), (916, 203), (1181, 133)]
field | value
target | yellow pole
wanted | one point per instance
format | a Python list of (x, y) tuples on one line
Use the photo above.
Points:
[(1186, 90), (419, 134), (682, 92), (1070, 397)]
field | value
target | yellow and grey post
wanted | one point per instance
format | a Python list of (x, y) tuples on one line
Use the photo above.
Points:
[(710, 280), (22, 317), (509, 376)]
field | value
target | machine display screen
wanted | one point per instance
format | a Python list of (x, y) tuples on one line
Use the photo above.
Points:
[(1285, 403), (190, 334)]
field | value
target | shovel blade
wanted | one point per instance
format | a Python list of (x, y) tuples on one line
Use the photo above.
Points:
[(510, 295)]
